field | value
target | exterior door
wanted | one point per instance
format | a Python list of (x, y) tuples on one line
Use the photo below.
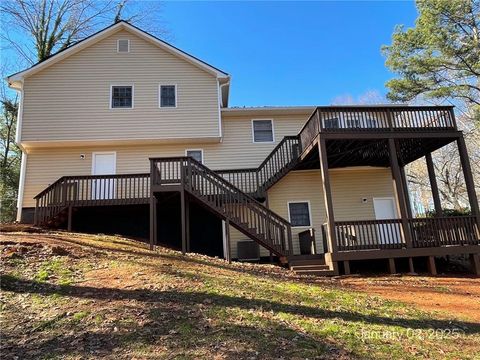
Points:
[(103, 163), (385, 209)]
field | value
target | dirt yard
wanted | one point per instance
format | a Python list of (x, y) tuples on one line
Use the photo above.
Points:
[(75, 296)]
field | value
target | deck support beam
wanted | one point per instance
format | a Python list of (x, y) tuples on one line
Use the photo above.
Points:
[(432, 268), (69, 221), (475, 262), (346, 267), (187, 223), (411, 268), (434, 185), (228, 250), (391, 266), (408, 203), (327, 194), (153, 221), (184, 222), (400, 194), (467, 173)]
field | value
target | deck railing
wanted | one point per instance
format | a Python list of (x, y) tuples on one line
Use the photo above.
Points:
[(91, 190), (388, 234), (444, 231), (256, 181), (376, 119), (371, 234)]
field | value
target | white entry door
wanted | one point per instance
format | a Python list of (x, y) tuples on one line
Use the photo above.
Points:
[(103, 163), (385, 209)]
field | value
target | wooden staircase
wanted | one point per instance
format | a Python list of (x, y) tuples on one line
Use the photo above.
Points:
[(310, 265), (223, 198)]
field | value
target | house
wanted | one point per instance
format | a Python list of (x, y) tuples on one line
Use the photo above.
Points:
[(125, 133)]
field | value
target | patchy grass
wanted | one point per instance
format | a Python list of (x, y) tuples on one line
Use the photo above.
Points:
[(110, 297)]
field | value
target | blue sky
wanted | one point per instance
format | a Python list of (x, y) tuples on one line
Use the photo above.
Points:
[(291, 53)]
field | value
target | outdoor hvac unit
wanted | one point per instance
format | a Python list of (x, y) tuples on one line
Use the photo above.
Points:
[(248, 250)]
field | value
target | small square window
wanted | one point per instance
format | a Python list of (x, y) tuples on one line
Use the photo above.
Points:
[(122, 97), (123, 46), (196, 154), (262, 130), (168, 96), (299, 213)]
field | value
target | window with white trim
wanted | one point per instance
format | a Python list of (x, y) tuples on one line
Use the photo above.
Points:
[(196, 154), (262, 130), (122, 97), (168, 96), (123, 45), (299, 213)]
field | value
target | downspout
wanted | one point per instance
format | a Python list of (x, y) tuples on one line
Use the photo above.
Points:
[(220, 105)]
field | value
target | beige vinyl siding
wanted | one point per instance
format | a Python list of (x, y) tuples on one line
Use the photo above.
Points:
[(71, 99), (45, 165), (349, 187)]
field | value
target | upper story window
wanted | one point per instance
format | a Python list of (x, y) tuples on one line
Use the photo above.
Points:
[(168, 96), (123, 45), (196, 154), (262, 131), (121, 96), (299, 213)]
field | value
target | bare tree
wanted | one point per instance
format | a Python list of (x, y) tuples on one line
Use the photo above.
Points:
[(53, 25)]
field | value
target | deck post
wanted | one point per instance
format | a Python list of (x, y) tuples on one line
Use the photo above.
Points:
[(434, 185), (391, 266), (346, 266), (184, 225), (411, 268), (228, 254), (467, 173), (327, 193), (153, 221), (401, 200), (475, 262), (35, 215), (187, 222), (69, 221), (407, 193), (432, 268)]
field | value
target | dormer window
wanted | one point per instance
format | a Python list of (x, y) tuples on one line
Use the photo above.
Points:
[(123, 45)]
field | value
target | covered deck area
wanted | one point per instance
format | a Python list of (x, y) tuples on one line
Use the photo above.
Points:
[(390, 138)]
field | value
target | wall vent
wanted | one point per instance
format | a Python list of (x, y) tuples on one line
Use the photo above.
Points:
[(123, 45)]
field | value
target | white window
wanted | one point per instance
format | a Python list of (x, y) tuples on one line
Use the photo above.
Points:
[(121, 96), (197, 154), (123, 45), (262, 131), (167, 96), (299, 213)]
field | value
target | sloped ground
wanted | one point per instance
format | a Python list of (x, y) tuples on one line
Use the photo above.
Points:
[(82, 296)]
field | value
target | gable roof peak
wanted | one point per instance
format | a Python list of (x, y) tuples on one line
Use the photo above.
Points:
[(16, 79)]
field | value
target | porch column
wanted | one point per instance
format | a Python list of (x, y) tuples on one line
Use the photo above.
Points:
[(433, 185), (407, 194), (467, 173), (400, 193), (327, 194)]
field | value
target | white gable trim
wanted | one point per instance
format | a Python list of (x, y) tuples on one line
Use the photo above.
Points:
[(104, 34)]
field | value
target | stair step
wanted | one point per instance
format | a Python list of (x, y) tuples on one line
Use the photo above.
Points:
[(296, 262), (308, 267), (326, 272)]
